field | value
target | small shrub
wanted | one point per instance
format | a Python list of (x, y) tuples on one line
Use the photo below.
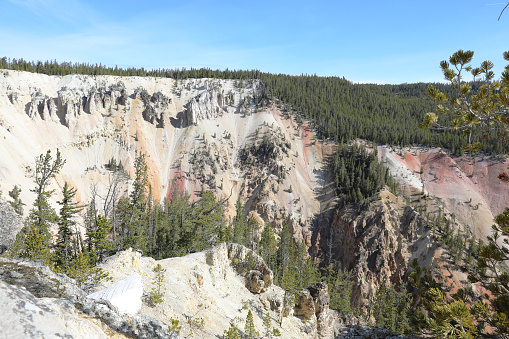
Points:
[(174, 327), (157, 292), (232, 332)]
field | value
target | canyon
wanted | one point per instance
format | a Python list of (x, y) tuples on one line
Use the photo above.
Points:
[(202, 134)]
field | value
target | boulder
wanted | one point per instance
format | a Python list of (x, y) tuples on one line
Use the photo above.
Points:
[(258, 276)]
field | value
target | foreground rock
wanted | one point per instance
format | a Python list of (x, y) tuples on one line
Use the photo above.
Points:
[(25, 316), (203, 292), (207, 291), (36, 302)]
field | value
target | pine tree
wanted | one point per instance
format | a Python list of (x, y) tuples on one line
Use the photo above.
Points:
[(250, 329), (157, 292), (232, 332), (131, 212), (268, 244), (84, 272), (97, 239), (17, 204), (391, 309), (64, 251), (36, 238), (306, 272), (239, 225), (267, 324)]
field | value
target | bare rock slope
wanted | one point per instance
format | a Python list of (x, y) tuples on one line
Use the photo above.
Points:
[(197, 132), (207, 291)]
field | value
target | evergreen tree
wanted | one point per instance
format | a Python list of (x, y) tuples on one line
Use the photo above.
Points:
[(239, 224), (267, 324), (98, 241), (65, 250), (268, 245), (232, 332), (16, 202), (391, 308), (340, 282), (132, 212), (250, 329), (36, 238)]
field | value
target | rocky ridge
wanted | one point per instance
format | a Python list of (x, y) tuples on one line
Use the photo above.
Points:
[(39, 302), (36, 302)]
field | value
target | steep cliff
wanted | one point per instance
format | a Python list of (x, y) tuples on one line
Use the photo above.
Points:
[(193, 131)]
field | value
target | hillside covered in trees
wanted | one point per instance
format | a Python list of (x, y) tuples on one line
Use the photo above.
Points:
[(339, 109)]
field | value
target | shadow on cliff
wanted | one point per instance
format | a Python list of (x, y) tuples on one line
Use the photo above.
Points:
[(179, 121), (322, 221)]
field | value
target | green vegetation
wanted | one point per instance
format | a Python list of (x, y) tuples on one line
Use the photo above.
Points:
[(250, 329), (16, 202), (175, 327), (157, 291), (472, 110), (231, 333), (391, 309), (358, 175)]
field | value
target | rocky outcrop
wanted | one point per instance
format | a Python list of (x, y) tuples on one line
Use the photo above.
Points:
[(25, 316), (38, 106), (70, 103), (312, 304), (378, 243), (33, 287), (10, 224), (207, 105), (247, 263), (154, 105)]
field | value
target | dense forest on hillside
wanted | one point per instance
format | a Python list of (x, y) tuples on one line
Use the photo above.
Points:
[(339, 109)]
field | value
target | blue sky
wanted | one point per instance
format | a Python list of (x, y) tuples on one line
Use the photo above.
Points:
[(364, 41)]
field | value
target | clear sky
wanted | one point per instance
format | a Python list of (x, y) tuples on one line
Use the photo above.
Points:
[(364, 41)]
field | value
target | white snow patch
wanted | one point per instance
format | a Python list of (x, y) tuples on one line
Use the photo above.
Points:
[(125, 294)]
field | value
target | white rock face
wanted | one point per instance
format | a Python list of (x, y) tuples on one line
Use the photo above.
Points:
[(207, 105), (25, 316), (125, 294)]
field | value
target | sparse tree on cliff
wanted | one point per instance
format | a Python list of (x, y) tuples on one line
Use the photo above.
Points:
[(250, 329), (65, 251), (36, 238), (16, 202)]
